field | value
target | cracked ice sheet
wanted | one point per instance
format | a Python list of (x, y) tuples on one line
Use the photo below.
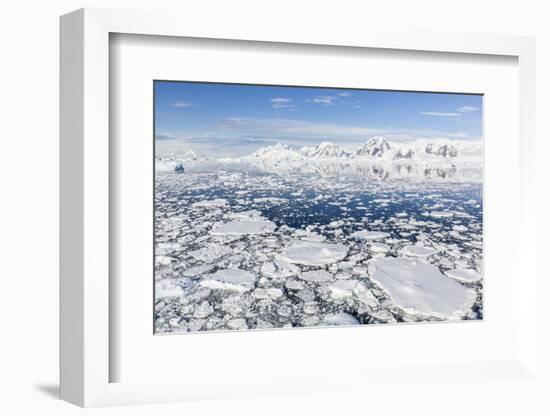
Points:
[(419, 288), (314, 253)]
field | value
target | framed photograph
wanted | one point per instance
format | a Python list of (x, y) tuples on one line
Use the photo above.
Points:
[(263, 213), (301, 207)]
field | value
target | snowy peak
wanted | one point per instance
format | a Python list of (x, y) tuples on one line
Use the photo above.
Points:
[(324, 150), (375, 147), (277, 151), (444, 150)]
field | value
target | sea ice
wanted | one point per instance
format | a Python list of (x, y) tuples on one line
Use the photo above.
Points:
[(370, 235), (418, 288), (378, 247), (316, 276), (237, 323), (197, 270), (308, 235), (278, 269), (230, 279), (270, 293), (244, 227), (314, 253), (213, 203), (342, 289), (442, 214), (210, 252), (418, 251), (168, 288), (464, 275), (342, 318)]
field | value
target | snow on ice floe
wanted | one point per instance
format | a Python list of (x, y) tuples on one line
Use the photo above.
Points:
[(418, 251), (314, 253), (370, 235), (464, 275), (252, 226), (230, 279), (418, 288)]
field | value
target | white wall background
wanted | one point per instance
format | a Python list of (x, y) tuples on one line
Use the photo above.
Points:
[(29, 204)]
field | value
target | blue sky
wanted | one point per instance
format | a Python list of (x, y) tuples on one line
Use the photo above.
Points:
[(233, 119)]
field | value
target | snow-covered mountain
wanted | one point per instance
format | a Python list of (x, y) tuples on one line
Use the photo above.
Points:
[(375, 147), (324, 150), (376, 158), (276, 152)]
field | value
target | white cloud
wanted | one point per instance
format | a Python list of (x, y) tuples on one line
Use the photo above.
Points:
[(181, 104), (280, 102), (438, 114), (339, 99), (302, 132), (324, 100), (467, 109)]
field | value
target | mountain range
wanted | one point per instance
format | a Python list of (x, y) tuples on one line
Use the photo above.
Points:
[(376, 158), (376, 149)]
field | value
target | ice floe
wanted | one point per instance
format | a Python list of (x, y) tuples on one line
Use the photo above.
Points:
[(418, 288), (314, 254), (370, 235), (418, 251), (316, 276), (244, 227), (214, 203), (464, 275), (167, 288), (230, 279), (341, 318)]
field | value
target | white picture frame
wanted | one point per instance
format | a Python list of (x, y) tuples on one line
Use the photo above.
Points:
[(85, 220)]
